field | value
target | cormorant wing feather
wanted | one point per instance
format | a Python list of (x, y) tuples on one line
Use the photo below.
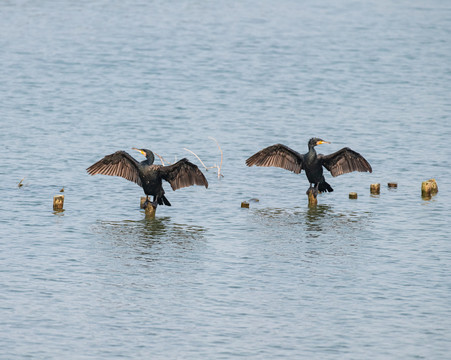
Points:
[(278, 155), (118, 164), (344, 161), (182, 174)]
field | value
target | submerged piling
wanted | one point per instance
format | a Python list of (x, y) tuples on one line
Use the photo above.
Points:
[(58, 202), (353, 195), (312, 200), (245, 204), (150, 211), (375, 189), (392, 185), (429, 188)]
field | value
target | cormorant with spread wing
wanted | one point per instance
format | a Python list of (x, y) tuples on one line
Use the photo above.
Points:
[(341, 162), (149, 175)]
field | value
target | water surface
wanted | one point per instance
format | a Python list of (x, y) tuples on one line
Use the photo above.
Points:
[(366, 278)]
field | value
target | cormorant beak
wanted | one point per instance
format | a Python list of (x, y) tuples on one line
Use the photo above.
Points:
[(142, 152), (322, 142)]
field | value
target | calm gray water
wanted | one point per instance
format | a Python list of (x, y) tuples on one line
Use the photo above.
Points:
[(354, 279)]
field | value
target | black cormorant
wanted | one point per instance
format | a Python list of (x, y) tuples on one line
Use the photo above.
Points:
[(341, 162), (148, 175)]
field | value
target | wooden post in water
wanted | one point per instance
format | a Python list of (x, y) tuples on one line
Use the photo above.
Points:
[(245, 204), (353, 195), (392, 185), (58, 202), (150, 211), (375, 189), (312, 200), (429, 188)]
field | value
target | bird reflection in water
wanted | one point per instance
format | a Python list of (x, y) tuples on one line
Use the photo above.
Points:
[(314, 222), (313, 217), (151, 235), (323, 220), (316, 219)]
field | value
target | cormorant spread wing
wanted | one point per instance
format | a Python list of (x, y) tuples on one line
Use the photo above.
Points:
[(344, 161), (183, 173), (278, 155), (118, 164)]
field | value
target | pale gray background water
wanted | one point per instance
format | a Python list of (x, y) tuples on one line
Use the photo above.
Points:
[(351, 279)]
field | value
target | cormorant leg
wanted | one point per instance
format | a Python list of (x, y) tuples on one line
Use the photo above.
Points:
[(147, 202), (315, 190), (155, 201)]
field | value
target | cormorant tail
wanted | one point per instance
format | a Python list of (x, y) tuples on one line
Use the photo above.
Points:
[(324, 186), (166, 201)]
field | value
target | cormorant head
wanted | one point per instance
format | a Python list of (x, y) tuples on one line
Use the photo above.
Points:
[(316, 141), (146, 152)]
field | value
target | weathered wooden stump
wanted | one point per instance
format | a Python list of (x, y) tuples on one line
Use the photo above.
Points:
[(245, 204), (150, 211), (353, 195), (312, 200), (392, 185), (58, 202), (375, 189), (429, 188)]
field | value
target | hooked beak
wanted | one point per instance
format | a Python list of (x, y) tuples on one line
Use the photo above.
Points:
[(322, 142), (142, 152)]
